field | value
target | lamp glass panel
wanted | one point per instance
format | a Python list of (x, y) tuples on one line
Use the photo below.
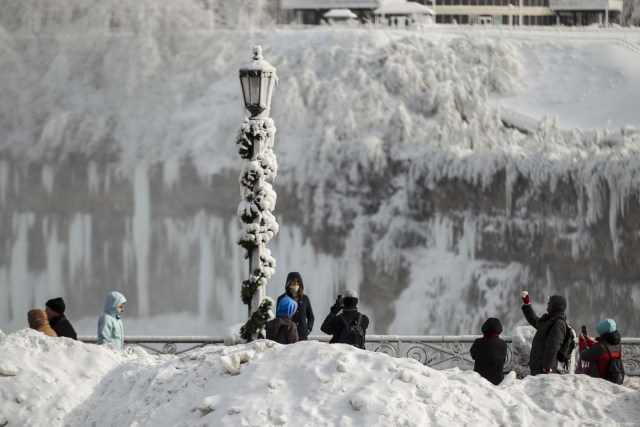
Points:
[(271, 84), (244, 81), (254, 86), (264, 90)]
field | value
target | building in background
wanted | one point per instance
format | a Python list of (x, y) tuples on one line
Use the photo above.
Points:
[(486, 12)]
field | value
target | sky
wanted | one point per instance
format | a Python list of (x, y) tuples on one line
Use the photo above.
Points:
[(61, 382)]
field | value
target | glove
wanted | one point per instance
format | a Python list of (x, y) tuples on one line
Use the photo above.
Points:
[(546, 370), (525, 298), (335, 308)]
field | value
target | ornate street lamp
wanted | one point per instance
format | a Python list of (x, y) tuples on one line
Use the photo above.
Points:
[(255, 143), (258, 80)]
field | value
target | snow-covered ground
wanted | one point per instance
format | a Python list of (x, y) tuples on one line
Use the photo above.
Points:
[(60, 382)]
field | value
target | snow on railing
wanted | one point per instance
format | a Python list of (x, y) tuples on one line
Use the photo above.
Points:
[(435, 351)]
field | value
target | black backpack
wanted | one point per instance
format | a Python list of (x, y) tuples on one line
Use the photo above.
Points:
[(568, 346), (615, 369), (354, 333)]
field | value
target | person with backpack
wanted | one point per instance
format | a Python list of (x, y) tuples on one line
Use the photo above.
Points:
[(282, 329), (303, 318), (551, 330), (604, 354), (349, 327), (490, 352)]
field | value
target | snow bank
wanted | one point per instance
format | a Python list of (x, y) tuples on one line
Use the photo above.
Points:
[(60, 382)]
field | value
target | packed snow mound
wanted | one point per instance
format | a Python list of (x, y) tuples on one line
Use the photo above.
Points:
[(63, 382)]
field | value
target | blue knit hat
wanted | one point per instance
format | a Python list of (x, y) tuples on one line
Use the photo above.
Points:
[(606, 325), (286, 307)]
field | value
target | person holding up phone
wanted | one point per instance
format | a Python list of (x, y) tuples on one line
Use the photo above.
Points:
[(582, 367)]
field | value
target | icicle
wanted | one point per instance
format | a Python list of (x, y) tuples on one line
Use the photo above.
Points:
[(4, 180), (20, 290), (93, 178), (141, 224)]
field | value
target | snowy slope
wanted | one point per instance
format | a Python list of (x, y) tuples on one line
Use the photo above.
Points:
[(368, 120), (57, 382)]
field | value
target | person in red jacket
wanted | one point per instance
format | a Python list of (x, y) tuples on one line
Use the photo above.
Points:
[(597, 353)]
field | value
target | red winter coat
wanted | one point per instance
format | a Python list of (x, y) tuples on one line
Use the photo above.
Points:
[(596, 354)]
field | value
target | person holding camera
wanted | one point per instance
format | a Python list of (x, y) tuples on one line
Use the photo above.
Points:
[(349, 327)]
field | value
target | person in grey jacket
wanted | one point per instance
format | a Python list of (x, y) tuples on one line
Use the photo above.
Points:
[(551, 329)]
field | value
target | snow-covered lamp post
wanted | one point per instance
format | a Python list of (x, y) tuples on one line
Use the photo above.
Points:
[(255, 143)]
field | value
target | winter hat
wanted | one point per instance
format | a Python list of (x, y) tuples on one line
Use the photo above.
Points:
[(492, 326), (557, 303), (57, 305), (286, 307), (350, 299), (351, 294), (606, 326)]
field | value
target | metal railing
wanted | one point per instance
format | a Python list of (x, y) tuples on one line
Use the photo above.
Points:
[(436, 351)]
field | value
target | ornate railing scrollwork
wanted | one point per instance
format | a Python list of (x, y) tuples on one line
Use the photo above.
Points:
[(439, 352)]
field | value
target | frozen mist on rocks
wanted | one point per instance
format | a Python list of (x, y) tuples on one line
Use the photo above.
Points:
[(397, 176)]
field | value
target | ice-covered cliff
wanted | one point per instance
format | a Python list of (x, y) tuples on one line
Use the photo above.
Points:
[(397, 175)]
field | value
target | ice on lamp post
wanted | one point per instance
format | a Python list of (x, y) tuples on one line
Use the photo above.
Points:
[(255, 212)]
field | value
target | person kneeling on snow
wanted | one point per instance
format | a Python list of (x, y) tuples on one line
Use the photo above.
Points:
[(599, 353), (110, 327), (490, 352), (282, 329)]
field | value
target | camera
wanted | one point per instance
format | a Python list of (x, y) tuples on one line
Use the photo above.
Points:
[(339, 301)]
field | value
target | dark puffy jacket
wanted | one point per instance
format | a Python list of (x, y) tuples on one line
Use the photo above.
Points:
[(490, 352), (336, 324), (282, 330), (63, 327), (598, 357), (304, 318), (550, 332)]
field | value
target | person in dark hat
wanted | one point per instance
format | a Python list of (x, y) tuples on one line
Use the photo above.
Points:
[(490, 352), (55, 313)]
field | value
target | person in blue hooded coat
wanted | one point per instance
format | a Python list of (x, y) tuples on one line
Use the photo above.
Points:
[(303, 318), (282, 329), (110, 327)]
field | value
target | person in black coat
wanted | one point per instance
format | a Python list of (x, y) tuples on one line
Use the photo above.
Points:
[(338, 325), (55, 313), (551, 329), (303, 318), (490, 352)]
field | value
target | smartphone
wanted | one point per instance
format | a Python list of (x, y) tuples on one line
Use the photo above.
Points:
[(584, 329), (339, 301)]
